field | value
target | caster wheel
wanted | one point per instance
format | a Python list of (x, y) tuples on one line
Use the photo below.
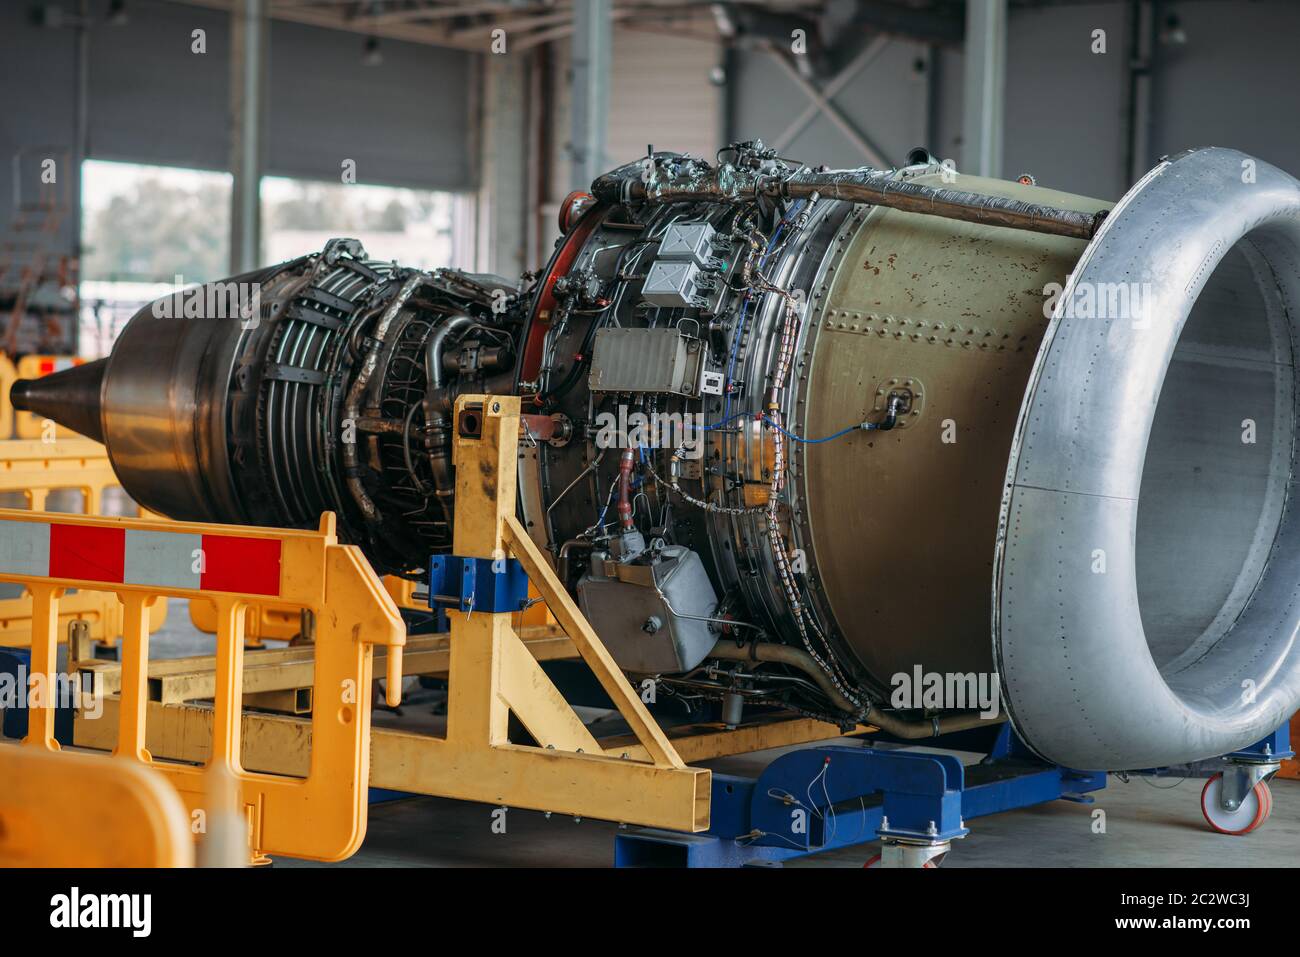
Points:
[(1251, 814), (875, 862)]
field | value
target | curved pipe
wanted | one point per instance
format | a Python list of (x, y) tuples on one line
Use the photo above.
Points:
[(889, 723), (434, 420), (433, 358), (352, 406)]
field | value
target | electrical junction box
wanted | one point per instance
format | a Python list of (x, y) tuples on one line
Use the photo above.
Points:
[(646, 360), (690, 242), (672, 284)]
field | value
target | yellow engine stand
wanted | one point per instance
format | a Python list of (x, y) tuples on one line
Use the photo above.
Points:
[(492, 673)]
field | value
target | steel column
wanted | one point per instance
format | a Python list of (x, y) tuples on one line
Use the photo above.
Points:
[(249, 35), (986, 68), (591, 55)]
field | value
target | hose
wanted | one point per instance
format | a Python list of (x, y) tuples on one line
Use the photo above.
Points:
[(434, 421), (891, 724), (352, 406)]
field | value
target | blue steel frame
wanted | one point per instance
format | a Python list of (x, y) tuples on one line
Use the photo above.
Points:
[(1276, 747), (921, 796), (477, 584), (820, 799)]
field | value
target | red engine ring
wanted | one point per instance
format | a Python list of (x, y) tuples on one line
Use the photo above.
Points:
[(540, 319)]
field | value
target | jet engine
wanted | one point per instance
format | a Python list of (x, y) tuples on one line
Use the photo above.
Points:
[(801, 437)]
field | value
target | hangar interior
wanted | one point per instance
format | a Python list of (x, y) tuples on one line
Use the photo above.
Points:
[(498, 163)]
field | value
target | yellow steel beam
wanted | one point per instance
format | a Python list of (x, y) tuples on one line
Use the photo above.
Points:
[(512, 775), (593, 651), (174, 680), (7, 376), (701, 742)]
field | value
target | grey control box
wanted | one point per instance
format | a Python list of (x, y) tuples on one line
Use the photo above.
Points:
[(646, 360), (690, 242), (672, 284)]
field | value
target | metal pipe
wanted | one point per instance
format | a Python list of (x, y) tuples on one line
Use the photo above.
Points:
[(352, 407), (889, 723), (434, 421), (879, 188), (433, 359)]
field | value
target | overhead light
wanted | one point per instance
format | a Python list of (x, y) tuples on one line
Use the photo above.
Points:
[(371, 55), (723, 19), (1173, 34)]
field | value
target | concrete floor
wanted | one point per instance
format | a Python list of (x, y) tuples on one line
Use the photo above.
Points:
[(1147, 826), (1149, 822)]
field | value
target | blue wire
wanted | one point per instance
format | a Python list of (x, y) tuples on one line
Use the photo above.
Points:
[(825, 438), (721, 422)]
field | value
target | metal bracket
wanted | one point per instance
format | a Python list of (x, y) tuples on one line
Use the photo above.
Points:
[(922, 793), (477, 584), (1239, 777), (895, 853)]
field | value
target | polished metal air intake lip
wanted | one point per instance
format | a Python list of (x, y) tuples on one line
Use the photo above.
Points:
[(1147, 582)]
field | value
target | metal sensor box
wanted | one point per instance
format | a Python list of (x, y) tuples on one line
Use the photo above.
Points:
[(672, 284), (691, 242), (646, 360)]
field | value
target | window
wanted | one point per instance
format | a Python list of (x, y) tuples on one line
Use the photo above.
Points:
[(419, 228), (142, 227), (148, 230)]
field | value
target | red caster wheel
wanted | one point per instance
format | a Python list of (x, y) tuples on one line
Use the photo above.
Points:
[(875, 862), (1253, 811)]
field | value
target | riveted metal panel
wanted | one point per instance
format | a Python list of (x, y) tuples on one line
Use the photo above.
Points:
[(903, 523)]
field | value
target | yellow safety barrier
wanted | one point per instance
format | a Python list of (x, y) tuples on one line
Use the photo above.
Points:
[(28, 425), (136, 819), (319, 817), (36, 469), (7, 376), (260, 622), (278, 624)]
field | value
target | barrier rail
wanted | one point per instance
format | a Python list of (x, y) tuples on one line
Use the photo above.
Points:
[(285, 624), (319, 817), (35, 470), (279, 624)]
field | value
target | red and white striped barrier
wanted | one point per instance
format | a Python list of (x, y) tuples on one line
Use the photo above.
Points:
[(133, 556)]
